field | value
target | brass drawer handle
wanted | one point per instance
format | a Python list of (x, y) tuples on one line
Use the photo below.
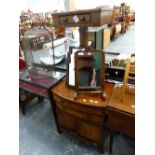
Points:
[(83, 19)]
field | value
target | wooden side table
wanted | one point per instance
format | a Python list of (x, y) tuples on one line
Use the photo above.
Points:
[(85, 116), (83, 19), (121, 116)]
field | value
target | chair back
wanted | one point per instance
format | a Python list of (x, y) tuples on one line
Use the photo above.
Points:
[(129, 79)]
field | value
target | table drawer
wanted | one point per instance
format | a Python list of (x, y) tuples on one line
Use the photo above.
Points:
[(74, 19), (122, 122), (78, 107)]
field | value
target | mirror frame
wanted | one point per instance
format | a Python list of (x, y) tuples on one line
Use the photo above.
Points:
[(70, 56), (87, 54)]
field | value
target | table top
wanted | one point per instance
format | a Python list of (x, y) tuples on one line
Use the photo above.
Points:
[(94, 100), (128, 106), (82, 11), (46, 82)]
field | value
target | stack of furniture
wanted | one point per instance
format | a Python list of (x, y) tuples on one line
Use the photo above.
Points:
[(99, 37), (87, 115), (116, 24)]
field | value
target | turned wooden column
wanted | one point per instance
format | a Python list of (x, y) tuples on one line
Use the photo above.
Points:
[(83, 36)]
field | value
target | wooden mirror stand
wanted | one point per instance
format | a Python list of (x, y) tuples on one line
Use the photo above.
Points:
[(89, 72)]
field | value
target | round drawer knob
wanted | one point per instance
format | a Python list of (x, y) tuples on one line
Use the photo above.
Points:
[(116, 72)]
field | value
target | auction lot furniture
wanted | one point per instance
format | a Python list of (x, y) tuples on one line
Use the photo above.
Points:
[(83, 19), (121, 115), (85, 116), (37, 86), (99, 37)]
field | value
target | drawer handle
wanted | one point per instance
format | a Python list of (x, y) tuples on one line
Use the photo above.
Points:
[(83, 19)]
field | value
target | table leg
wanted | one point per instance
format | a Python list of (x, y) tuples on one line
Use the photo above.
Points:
[(111, 142), (22, 105), (83, 36), (100, 147), (53, 105), (40, 98)]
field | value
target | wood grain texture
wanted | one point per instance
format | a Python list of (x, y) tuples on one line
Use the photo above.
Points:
[(91, 17), (86, 100), (128, 106), (85, 115)]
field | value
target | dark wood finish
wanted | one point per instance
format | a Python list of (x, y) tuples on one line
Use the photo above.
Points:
[(91, 17), (99, 37), (128, 76), (121, 115), (86, 61), (83, 36), (84, 116), (83, 19)]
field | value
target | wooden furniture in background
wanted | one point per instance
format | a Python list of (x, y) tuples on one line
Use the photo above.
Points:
[(128, 77), (115, 20), (116, 15), (106, 38), (85, 116), (99, 37), (83, 19)]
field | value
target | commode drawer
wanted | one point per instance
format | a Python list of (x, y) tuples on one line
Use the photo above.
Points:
[(79, 107), (78, 114)]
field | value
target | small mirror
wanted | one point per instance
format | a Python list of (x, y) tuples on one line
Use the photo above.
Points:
[(90, 71)]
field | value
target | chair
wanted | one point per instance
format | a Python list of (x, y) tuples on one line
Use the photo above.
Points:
[(129, 79)]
